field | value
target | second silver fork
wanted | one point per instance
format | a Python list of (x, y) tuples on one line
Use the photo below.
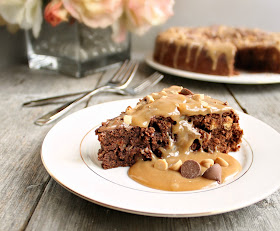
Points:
[(149, 82)]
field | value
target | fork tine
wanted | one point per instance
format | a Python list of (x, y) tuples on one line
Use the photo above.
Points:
[(121, 69), (122, 73), (125, 70), (149, 82), (128, 76), (124, 78)]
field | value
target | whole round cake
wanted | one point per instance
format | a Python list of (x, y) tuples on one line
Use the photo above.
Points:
[(218, 50)]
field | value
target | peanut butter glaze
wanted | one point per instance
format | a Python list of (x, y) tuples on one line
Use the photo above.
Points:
[(144, 173), (169, 103)]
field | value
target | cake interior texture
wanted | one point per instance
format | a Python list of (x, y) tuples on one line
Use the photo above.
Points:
[(218, 50), (168, 123)]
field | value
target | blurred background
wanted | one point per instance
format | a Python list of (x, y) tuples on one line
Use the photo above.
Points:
[(263, 14)]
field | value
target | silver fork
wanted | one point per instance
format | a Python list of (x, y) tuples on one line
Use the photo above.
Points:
[(127, 91), (119, 81), (151, 81)]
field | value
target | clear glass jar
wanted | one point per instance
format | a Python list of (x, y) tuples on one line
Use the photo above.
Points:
[(75, 49)]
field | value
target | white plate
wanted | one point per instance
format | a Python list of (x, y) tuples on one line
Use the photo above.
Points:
[(242, 78), (114, 189)]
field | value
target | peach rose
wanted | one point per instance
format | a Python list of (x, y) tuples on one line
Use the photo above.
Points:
[(142, 14), (95, 13), (55, 12)]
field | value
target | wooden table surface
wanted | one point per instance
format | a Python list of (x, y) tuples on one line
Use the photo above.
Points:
[(32, 200)]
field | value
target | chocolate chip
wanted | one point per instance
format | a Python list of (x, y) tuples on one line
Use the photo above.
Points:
[(185, 91), (190, 169), (214, 173)]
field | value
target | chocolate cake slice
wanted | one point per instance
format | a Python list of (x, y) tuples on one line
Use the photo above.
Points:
[(170, 122)]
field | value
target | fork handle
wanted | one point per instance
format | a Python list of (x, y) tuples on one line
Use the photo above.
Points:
[(60, 111), (57, 99), (51, 100)]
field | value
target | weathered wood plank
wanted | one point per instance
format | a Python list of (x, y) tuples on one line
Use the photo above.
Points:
[(69, 212), (23, 177), (260, 101), (61, 210)]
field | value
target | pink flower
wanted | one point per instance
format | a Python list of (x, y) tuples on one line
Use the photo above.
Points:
[(55, 13), (142, 14), (119, 31), (95, 13)]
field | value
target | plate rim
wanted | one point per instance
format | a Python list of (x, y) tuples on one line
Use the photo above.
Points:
[(212, 78), (154, 214)]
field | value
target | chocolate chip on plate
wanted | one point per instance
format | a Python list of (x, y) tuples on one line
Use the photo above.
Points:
[(190, 169), (186, 91), (214, 173)]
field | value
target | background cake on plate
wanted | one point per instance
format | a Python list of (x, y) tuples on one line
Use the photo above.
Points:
[(218, 50)]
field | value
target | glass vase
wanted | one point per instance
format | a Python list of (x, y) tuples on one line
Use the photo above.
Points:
[(75, 49)]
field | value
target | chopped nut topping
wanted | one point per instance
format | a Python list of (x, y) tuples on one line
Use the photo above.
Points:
[(128, 110), (149, 99), (221, 162), (204, 104), (163, 92), (161, 164), (207, 163), (155, 95), (127, 119), (198, 97), (227, 125), (186, 91), (213, 125), (176, 166)]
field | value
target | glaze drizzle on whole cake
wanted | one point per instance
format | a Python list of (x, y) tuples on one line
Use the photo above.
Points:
[(218, 49), (164, 130)]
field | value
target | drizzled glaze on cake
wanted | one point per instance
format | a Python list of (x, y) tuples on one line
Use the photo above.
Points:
[(214, 42), (170, 103), (189, 37)]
